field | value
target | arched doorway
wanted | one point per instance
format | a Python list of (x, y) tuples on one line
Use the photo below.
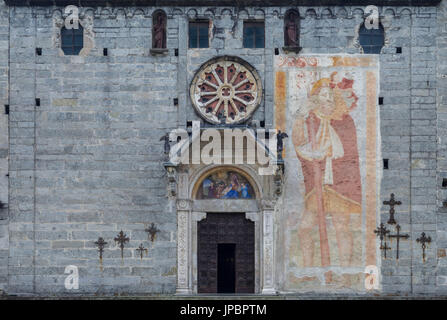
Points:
[(224, 223), (225, 240), (226, 254)]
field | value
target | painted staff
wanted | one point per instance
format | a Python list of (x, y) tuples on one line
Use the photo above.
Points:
[(318, 186)]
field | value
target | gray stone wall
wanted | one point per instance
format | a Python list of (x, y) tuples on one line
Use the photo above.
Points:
[(441, 85), (87, 162), (4, 145)]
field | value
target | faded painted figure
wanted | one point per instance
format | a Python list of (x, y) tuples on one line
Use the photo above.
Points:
[(325, 141)]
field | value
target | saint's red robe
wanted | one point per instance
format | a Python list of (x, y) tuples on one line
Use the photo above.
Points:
[(344, 195)]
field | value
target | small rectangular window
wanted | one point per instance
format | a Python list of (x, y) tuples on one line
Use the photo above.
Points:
[(198, 34), (254, 35)]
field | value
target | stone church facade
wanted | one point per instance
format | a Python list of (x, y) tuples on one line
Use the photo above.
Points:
[(82, 153)]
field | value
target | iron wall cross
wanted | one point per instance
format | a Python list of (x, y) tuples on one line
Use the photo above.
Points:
[(121, 239), (141, 249), (392, 202), (384, 248), (381, 232), (423, 240), (101, 244), (152, 231), (398, 236)]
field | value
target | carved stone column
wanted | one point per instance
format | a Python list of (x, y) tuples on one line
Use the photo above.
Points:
[(256, 218), (196, 217), (268, 272), (183, 246)]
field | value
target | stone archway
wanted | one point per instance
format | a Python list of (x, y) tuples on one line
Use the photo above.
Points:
[(191, 210)]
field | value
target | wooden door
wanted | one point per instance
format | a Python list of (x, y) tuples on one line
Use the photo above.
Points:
[(231, 229)]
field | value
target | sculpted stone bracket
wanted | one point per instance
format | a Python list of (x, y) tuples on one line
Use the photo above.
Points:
[(198, 216), (252, 216), (171, 172), (278, 179)]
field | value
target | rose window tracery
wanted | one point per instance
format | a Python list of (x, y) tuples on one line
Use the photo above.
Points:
[(226, 90)]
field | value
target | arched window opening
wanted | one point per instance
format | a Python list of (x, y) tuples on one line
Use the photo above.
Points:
[(72, 40), (159, 30), (371, 40), (292, 29)]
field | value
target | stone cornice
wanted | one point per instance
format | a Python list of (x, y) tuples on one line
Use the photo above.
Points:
[(221, 3)]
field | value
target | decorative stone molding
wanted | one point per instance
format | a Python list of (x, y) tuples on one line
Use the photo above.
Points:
[(268, 276), (183, 248), (229, 3), (343, 11)]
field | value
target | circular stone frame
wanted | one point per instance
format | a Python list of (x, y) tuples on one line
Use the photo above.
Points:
[(226, 90)]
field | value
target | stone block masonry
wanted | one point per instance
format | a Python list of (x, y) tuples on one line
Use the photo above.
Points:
[(88, 163), (4, 145)]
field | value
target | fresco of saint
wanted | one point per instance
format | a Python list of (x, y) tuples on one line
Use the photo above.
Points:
[(325, 142)]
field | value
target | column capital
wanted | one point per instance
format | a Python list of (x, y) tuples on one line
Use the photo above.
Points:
[(267, 204), (184, 204)]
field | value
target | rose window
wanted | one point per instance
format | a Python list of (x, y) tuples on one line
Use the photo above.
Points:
[(226, 90)]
